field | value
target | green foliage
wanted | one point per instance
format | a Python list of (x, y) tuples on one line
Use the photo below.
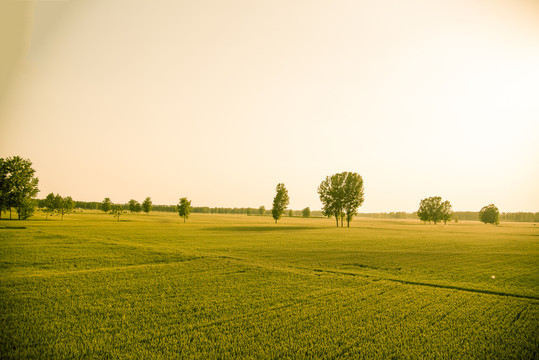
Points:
[(106, 205), (49, 205), (184, 208), (147, 205), (261, 210), (341, 194), (433, 209), (26, 208), (306, 212), (236, 288), (280, 202), (63, 205), (134, 206), (17, 183), (490, 214), (117, 211)]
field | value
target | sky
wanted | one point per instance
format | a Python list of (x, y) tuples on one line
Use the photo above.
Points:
[(220, 101)]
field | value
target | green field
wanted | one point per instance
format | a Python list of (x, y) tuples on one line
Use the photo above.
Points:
[(226, 286)]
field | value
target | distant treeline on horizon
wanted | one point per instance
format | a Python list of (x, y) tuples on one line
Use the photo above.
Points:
[(459, 215)]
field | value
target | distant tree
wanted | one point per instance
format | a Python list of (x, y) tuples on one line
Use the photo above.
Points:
[(17, 183), (63, 205), (49, 205), (290, 213), (280, 202), (249, 211), (117, 211), (147, 205), (26, 208), (184, 208), (134, 206), (433, 209), (306, 212), (341, 194), (106, 205), (261, 210), (490, 214)]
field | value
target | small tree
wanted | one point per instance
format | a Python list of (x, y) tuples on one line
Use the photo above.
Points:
[(63, 205), (49, 205), (280, 202), (184, 208), (433, 209), (26, 208), (106, 205), (290, 213), (306, 212), (117, 211), (261, 210), (147, 205), (490, 214)]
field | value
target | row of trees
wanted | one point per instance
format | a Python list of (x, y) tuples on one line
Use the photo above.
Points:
[(433, 209), (58, 204)]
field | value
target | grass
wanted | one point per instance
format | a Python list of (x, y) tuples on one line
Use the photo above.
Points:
[(225, 286)]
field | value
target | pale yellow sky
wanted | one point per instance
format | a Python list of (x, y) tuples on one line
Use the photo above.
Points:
[(221, 100)]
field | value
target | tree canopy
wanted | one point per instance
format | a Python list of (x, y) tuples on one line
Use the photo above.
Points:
[(341, 194), (106, 205), (280, 202), (433, 209), (490, 214), (147, 205), (17, 184), (306, 212), (134, 206), (184, 208)]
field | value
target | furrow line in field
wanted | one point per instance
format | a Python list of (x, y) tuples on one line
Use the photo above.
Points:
[(441, 286)]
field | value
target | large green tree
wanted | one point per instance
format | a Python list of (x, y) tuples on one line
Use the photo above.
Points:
[(306, 212), (341, 194), (17, 184), (435, 210), (280, 201), (134, 206), (490, 214), (184, 208), (147, 205)]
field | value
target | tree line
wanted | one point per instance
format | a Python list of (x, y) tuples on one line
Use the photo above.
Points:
[(341, 195)]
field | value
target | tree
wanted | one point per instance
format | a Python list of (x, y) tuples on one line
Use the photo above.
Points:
[(117, 211), (490, 214), (49, 205), (26, 208), (147, 205), (134, 206), (306, 212), (290, 213), (17, 183), (106, 205), (433, 209), (261, 210), (63, 205), (280, 202), (341, 194), (184, 208)]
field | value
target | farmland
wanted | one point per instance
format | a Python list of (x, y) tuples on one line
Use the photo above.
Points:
[(231, 286)]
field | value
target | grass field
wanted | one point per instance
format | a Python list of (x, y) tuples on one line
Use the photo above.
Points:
[(225, 286)]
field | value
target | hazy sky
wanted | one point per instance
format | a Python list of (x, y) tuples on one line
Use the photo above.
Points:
[(221, 100)]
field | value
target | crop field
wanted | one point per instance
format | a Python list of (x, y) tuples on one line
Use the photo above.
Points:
[(227, 286)]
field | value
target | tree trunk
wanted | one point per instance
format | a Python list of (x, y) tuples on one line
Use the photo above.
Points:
[(10, 213), (62, 216), (184, 219), (337, 220)]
